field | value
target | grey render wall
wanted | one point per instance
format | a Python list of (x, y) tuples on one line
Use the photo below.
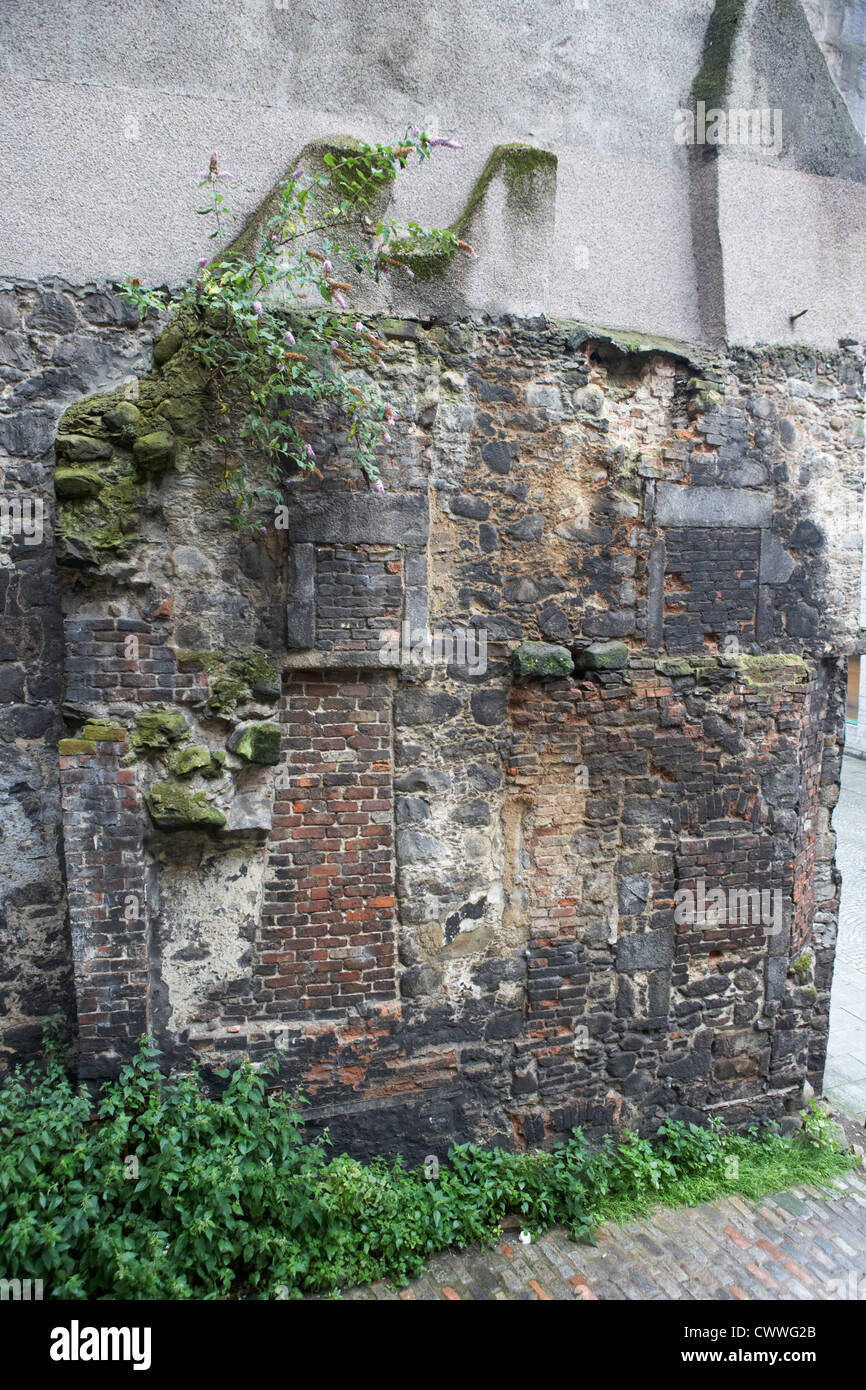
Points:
[(108, 110), (840, 28)]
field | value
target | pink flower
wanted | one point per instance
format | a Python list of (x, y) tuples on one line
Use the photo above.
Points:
[(202, 260), (447, 144), (338, 299), (214, 166), (290, 339), (309, 451), (298, 174), (379, 362), (414, 130), (379, 485), (327, 267), (409, 272), (386, 436), (258, 308), (359, 328)]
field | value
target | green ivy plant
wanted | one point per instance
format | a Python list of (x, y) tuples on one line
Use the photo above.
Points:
[(271, 319)]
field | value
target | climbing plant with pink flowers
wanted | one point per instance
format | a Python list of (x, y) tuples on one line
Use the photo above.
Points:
[(270, 317)]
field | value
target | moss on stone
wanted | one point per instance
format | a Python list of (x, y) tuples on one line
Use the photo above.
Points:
[(158, 729), (124, 444), (257, 743), (767, 670), (184, 761), (155, 452), (69, 747), (76, 482), (541, 661), (183, 413), (673, 666), (103, 731), (802, 967), (169, 340), (174, 807), (602, 656), (123, 419), (713, 79), (234, 679), (81, 448), (523, 168), (704, 396), (106, 520)]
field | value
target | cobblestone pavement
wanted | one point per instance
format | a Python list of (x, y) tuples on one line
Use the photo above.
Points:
[(845, 1073), (809, 1243)]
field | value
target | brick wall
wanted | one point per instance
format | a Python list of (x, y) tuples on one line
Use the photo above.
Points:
[(327, 937)]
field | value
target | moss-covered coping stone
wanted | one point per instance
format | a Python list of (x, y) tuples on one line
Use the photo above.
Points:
[(234, 680), (526, 171), (183, 762), (602, 656), (541, 660), (158, 729), (257, 743), (174, 807)]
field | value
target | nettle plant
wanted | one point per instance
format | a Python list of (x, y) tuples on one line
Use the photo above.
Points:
[(272, 317)]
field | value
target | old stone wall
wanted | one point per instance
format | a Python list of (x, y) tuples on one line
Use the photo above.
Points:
[(447, 888), (57, 343)]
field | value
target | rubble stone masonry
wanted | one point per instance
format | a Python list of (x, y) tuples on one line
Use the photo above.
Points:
[(448, 893)]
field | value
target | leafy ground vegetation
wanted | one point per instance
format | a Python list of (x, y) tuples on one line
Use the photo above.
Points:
[(163, 1192)]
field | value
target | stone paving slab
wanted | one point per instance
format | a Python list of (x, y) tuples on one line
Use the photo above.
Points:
[(805, 1244)]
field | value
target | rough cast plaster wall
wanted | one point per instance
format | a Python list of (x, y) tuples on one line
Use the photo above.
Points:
[(789, 232), (133, 100)]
